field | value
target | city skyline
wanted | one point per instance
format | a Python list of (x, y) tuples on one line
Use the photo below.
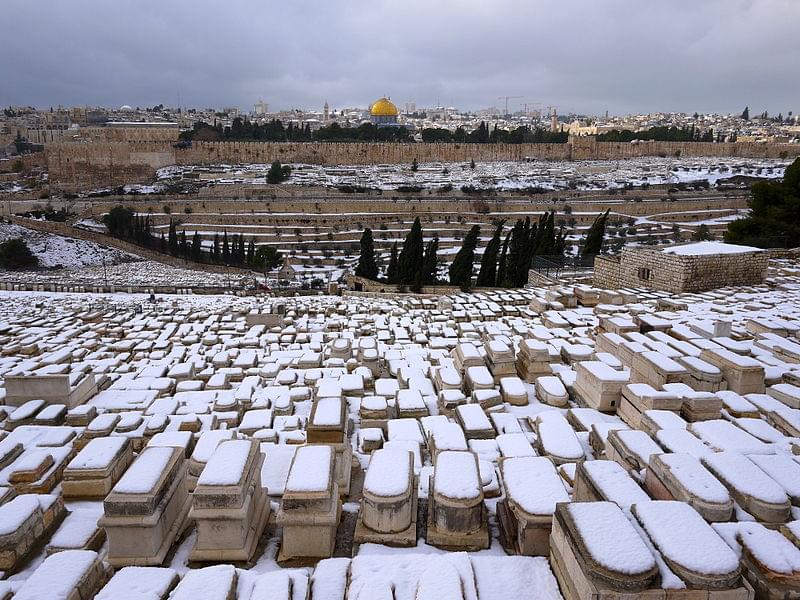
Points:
[(583, 58)]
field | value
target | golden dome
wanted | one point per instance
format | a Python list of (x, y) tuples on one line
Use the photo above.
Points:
[(383, 108)]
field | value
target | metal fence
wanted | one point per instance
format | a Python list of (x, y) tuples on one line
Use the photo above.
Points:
[(556, 266)]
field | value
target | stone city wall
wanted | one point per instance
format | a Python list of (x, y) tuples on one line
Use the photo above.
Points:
[(654, 269), (77, 165)]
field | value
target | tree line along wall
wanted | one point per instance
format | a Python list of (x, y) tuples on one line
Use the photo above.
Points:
[(75, 165)]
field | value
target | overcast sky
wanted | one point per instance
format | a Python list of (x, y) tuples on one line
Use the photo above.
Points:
[(586, 56)]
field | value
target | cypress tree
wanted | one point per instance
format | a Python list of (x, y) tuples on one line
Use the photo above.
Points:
[(391, 270), (215, 249), (501, 268), (487, 276), (241, 254), (251, 252), (183, 244), (410, 259), (173, 238), (164, 247), (367, 267), (429, 262), (226, 249), (461, 268), (197, 247), (523, 264), (593, 242)]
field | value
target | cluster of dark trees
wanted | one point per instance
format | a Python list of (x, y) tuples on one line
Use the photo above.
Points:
[(124, 223), (661, 134), (483, 135), (774, 219), (275, 131), (505, 262), (765, 116), (15, 255)]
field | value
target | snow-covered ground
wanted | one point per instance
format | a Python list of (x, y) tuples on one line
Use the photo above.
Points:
[(58, 251), (154, 364), (545, 175)]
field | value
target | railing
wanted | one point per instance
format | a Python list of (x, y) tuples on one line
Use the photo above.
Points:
[(564, 267)]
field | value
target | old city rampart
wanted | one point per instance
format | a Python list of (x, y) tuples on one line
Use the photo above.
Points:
[(79, 165)]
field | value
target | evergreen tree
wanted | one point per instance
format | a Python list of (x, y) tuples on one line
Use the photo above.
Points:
[(774, 209), (487, 276), (241, 253), (15, 254), (173, 239), (183, 245), (163, 246), (226, 249), (461, 267), (430, 261), (197, 247), (215, 250), (593, 242), (501, 267), (746, 113), (367, 267), (410, 259), (414, 165), (472, 163), (251, 252), (392, 275)]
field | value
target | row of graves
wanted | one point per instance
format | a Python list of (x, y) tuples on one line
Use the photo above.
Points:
[(568, 442)]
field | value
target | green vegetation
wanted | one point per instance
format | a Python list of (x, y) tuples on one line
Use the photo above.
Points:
[(409, 262), (278, 173), (367, 267), (593, 242), (15, 255), (461, 268), (774, 219), (659, 134), (124, 223)]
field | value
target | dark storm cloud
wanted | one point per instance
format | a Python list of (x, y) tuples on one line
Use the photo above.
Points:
[(580, 55)]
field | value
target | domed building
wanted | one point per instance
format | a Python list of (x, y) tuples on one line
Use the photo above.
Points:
[(383, 112)]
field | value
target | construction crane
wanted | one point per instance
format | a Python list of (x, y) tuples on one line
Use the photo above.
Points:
[(507, 98)]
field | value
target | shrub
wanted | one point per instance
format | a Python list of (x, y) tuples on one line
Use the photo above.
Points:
[(15, 254)]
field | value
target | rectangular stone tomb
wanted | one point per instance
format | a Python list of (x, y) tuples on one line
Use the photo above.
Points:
[(97, 467), (68, 575), (606, 480), (743, 374), (598, 385), (229, 506), (532, 488), (147, 508), (457, 518), (25, 521), (689, 546), (683, 477), (597, 554), (388, 512), (310, 508)]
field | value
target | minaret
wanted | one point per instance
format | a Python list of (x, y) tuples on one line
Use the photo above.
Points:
[(553, 120), (326, 112)]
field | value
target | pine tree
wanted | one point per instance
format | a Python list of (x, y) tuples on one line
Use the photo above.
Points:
[(461, 268), (746, 113), (367, 267), (215, 250), (487, 276), (391, 270), (430, 261), (593, 242), (410, 259)]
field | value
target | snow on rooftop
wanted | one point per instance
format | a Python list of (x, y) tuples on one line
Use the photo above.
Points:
[(709, 249)]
